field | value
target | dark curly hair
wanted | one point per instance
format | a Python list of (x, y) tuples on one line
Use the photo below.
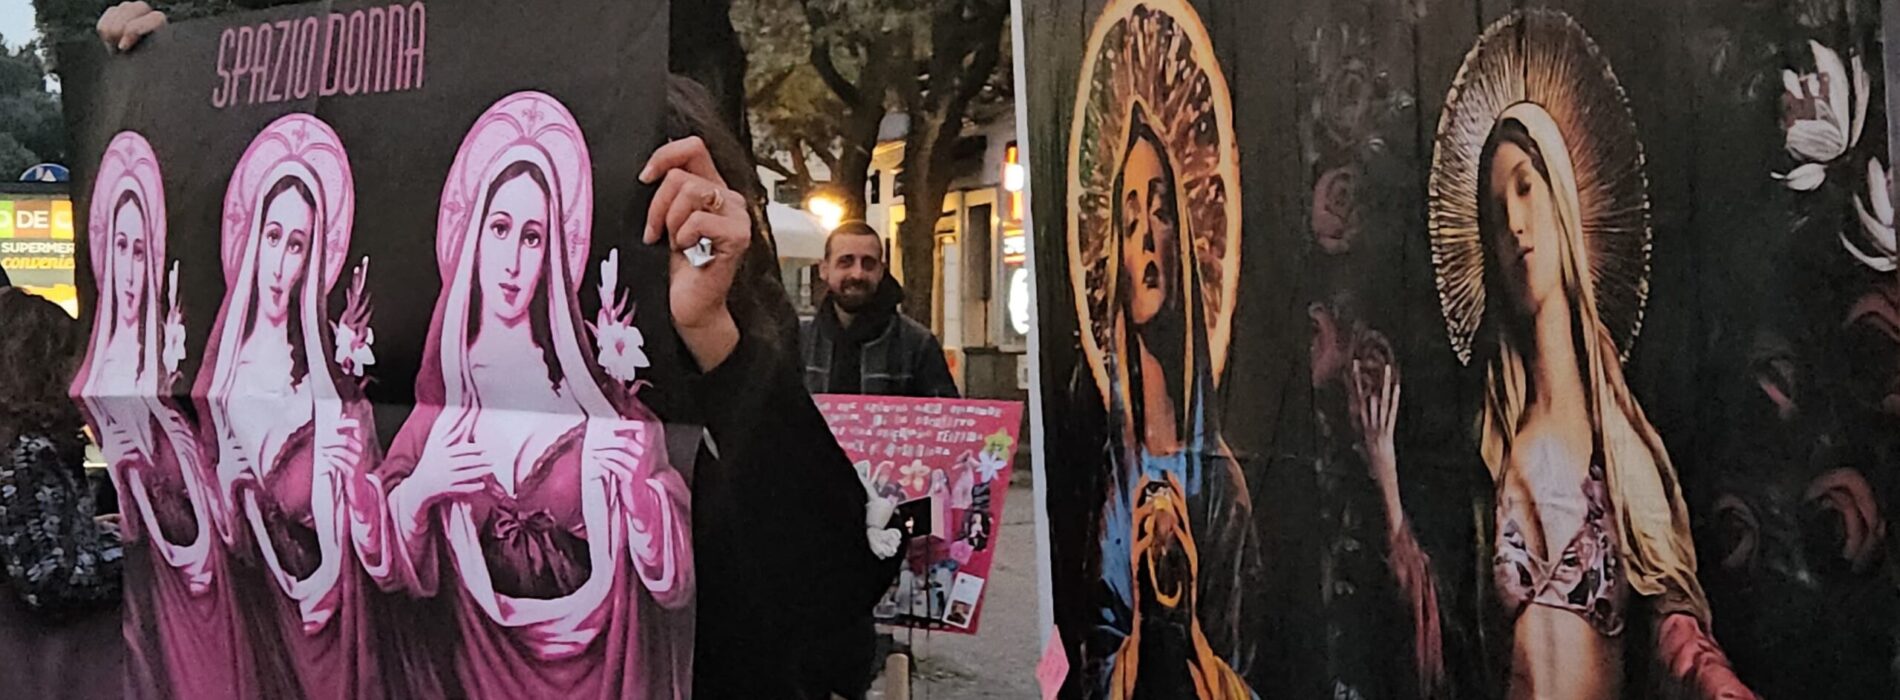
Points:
[(39, 351)]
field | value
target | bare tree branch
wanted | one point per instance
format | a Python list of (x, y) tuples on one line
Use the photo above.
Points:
[(821, 58)]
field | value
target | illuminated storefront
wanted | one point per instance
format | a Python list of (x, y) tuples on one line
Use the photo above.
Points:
[(36, 241), (1012, 259)]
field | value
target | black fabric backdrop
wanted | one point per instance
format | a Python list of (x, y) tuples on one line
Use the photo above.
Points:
[(1319, 85)]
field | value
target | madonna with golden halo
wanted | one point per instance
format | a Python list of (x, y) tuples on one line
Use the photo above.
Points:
[(1540, 238), (1154, 253)]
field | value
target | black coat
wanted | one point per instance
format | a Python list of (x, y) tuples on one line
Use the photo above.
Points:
[(784, 569)]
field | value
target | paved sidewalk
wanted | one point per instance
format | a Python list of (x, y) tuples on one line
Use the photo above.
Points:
[(1000, 661)]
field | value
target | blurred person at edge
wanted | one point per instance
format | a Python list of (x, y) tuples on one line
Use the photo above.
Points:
[(858, 343), (59, 591), (772, 491)]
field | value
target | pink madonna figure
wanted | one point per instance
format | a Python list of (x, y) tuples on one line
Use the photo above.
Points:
[(288, 425), (542, 489), (180, 623)]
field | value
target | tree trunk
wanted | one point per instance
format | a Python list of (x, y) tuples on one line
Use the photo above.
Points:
[(857, 139), (864, 107), (928, 159), (966, 43)]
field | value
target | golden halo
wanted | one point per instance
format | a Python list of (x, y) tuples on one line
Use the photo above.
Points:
[(1543, 57), (1153, 52)]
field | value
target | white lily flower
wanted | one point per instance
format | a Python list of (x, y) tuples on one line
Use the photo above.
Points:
[(174, 350), (1876, 248), (609, 278), (622, 351), (622, 348), (1827, 111), (172, 341), (354, 353)]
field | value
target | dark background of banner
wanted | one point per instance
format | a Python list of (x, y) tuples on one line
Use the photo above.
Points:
[(1737, 257), (400, 146)]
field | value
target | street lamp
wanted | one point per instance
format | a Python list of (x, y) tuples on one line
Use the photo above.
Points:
[(1012, 170), (828, 209)]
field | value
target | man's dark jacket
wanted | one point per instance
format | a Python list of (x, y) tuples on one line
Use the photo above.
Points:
[(895, 356)]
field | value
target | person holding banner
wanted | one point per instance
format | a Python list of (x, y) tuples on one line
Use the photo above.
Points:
[(773, 492)]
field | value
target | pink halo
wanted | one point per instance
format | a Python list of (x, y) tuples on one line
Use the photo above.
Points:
[(129, 164), (522, 119), (294, 139)]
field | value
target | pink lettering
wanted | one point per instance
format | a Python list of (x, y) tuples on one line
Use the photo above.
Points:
[(242, 63), (376, 52), (399, 43), (275, 93), (419, 18), (306, 63), (363, 52), (260, 61), (334, 36), (221, 95), (351, 64)]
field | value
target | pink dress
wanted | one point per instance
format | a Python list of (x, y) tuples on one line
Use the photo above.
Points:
[(182, 630), (327, 651), (619, 641)]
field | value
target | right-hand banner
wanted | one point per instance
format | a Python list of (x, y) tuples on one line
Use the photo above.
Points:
[(1467, 348)]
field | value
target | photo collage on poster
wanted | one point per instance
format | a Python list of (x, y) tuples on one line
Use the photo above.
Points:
[(940, 469), (294, 528), (1467, 349)]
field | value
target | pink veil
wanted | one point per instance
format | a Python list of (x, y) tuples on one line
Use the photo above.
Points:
[(533, 128), (113, 402), (302, 147)]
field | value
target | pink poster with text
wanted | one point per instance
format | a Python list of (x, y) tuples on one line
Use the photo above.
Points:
[(945, 465)]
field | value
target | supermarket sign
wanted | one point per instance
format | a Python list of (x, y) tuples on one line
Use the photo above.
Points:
[(36, 234)]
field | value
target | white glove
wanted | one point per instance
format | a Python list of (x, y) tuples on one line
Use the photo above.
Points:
[(884, 543), (877, 512)]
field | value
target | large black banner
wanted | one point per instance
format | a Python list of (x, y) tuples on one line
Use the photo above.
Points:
[(370, 352), (1469, 348)]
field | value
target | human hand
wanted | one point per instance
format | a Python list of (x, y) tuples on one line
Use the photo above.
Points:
[(451, 466), (233, 466), (1695, 661), (124, 24), (1376, 415), (342, 449), (120, 447), (620, 447), (884, 542), (693, 203)]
